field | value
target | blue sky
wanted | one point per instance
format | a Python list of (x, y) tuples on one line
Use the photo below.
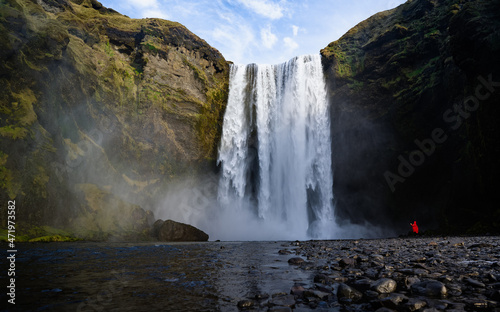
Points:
[(260, 31)]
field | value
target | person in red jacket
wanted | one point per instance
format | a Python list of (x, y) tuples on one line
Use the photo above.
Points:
[(414, 227)]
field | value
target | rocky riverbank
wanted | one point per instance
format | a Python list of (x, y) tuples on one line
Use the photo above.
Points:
[(405, 274), (401, 274)]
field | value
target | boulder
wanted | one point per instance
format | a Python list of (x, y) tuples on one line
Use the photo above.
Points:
[(171, 231)]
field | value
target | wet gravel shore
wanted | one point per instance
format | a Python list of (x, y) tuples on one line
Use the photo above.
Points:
[(401, 274)]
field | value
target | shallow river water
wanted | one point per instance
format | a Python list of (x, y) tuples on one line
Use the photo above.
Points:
[(210, 276)]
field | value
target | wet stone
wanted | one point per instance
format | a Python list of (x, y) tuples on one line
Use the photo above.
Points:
[(347, 292), (297, 290), (316, 294), (394, 300), (475, 283), (415, 304), (323, 279), (345, 262), (430, 288), (279, 309), (363, 284), (296, 261), (384, 286), (246, 304), (285, 301)]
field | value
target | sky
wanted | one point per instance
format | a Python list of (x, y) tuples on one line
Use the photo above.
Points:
[(259, 31)]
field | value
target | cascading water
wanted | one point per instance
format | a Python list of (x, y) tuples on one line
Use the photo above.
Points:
[(275, 152)]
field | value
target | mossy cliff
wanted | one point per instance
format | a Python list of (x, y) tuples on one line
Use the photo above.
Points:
[(98, 112), (424, 71)]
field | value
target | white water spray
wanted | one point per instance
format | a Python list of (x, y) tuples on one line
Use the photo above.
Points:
[(275, 153)]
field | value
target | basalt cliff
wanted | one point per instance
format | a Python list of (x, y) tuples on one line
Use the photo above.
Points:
[(415, 94), (99, 112)]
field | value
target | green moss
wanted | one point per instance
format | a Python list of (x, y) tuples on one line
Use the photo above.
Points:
[(38, 234), (199, 74), (53, 238), (6, 177), (13, 132), (151, 47), (209, 123), (108, 49)]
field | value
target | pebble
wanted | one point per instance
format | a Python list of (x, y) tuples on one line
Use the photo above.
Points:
[(400, 274), (296, 261), (384, 286), (430, 288), (348, 292)]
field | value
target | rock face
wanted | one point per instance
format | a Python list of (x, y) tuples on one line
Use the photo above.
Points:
[(414, 94), (171, 231), (92, 97)]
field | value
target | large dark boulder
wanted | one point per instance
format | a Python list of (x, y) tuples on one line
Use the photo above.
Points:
[(171, 231)]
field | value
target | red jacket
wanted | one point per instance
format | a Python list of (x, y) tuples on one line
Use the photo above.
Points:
[(414, 226)]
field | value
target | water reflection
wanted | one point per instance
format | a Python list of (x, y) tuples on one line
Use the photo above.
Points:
[(146, 276)]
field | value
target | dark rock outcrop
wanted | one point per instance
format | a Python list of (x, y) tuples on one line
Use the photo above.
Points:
[(92, 97), (171, 231), (414, 94)]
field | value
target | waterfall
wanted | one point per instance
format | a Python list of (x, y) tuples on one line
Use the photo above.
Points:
[(275, 151)]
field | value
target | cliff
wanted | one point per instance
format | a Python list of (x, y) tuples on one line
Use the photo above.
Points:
[(414, 94), (99, 112)]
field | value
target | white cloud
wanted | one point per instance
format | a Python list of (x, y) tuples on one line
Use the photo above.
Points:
[(154, 13), (290, 43), (295, 30), (268, 38), (265, 8), (143, 4), (235, 40)]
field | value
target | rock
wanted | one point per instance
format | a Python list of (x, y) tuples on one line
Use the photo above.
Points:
[(261, 296), (323, 279), (430, 288), (171, 231), (347, 292), (454, 290), (475, 283), (415, 304), (246, 304), (345, 262), (384, 286), (295, 261), (394, 301), (283, 300), (410, 281), (316, 294), (156, 228), (363, 284), (279, 309), (297, 290)]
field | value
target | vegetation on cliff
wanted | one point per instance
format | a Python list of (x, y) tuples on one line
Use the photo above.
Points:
[(97, 105), (400, 79)]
